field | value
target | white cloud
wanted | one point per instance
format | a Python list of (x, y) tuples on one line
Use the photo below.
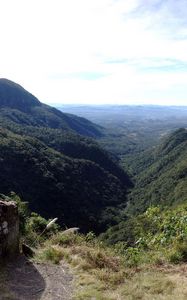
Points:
[(45, 44)]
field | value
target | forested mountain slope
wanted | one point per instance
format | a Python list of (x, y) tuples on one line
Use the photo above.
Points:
[(164, 181), (59, 172)]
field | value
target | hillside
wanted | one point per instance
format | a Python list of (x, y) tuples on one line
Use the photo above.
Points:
[(163, 179), (59, 172)]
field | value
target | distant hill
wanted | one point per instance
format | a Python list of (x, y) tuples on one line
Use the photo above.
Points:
[(163, 181), (50, 160)]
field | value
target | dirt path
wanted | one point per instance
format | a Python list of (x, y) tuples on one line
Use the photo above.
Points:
[(23, 280)]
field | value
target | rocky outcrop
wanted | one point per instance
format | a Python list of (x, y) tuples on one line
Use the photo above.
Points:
[(9, 229)]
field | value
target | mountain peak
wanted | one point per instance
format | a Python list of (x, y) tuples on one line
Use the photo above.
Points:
[(14, 96)]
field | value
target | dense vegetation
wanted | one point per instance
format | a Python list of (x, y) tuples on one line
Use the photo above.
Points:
[(156, 236), (59, 172)]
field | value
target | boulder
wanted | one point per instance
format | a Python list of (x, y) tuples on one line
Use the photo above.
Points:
[(9, 229)]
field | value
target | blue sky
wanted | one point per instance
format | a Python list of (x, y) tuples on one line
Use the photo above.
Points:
[(96, 51)]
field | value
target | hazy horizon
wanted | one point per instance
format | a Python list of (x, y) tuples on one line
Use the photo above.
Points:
[(105, 104), (97, 51)]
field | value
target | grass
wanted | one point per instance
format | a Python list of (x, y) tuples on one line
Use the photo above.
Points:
[(101, 274), (148, 285)]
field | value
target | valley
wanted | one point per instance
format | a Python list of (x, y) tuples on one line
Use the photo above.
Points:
[(149, 142), (118, 173)]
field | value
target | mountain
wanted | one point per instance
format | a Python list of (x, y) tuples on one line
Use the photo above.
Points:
[(50, 160), (164, 180), (20, 106)]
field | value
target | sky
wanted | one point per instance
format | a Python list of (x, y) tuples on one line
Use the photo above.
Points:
[(96, 51)]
